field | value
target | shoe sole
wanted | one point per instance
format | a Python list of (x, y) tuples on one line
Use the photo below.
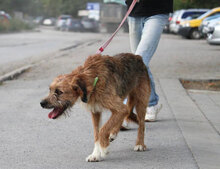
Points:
[(124, 128), (150, 120)]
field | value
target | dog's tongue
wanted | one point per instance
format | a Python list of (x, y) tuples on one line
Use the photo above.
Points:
[(55, 113)]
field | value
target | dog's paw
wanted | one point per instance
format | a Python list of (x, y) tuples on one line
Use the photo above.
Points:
[(93, 158), (112, 137), (140, 148), (104, 152)]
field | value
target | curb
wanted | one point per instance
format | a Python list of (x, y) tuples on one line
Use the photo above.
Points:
[(15, 73)]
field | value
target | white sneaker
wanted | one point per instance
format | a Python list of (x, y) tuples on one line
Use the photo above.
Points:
[(125, 126), (151, 114)]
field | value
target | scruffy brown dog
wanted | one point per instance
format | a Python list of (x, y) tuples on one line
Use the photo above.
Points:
[(103, 82)]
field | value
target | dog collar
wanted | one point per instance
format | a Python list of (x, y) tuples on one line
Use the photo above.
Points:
[(94, 85), (95, 81)]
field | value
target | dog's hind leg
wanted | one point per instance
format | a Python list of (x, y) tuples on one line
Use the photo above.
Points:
[(130, 117), (141, 110), (131, 103), (142, 98)]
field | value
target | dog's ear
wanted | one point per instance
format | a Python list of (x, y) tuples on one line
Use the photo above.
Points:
[(83, 91)]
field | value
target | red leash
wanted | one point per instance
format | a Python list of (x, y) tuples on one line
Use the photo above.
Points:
[(102, 48)]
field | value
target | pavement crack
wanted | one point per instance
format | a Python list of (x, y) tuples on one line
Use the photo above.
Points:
[(21, 44), (87, 43), (93, 42), (71, 47)]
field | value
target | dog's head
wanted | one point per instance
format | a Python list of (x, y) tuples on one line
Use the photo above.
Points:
[(64, 92)]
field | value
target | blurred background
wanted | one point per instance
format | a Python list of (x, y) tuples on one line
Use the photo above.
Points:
[(105, 15)]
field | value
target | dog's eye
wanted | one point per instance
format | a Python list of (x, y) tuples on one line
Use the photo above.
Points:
[(58, 92), (75, 88)]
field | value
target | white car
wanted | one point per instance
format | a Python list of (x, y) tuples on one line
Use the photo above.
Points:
[(210, 25), (61, 22), (49, 21), (181, 15), (214, 35)]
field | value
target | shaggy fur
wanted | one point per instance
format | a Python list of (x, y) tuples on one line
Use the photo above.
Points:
[(121, 76)]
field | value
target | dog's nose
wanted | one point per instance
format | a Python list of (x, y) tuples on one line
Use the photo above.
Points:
[(43, 103)]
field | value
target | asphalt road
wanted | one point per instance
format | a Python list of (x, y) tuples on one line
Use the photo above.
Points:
[(18, 49), (30, 141)]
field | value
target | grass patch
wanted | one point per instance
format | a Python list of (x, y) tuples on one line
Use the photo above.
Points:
[(14, 25), (212, 85)]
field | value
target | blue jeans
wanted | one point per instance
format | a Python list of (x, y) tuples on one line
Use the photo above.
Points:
[(144, 33)]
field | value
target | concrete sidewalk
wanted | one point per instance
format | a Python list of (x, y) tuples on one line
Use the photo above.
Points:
[(186, 135), (197, 115)]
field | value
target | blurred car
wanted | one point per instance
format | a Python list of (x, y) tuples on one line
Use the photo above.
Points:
[(209, 26), (4, 17), (214, 35), (90, 25), (74, 25), (182, 15), (167, 26), (189, 29), (49, 21), (38, 20), (61, 22), (173, 22), (205, 24)]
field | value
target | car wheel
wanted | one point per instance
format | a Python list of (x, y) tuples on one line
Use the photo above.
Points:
[(195, 34)]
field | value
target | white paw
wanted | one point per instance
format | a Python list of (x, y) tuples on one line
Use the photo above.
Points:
[(98, 153), (112, 137), (140, 148), (93, 158), (104, 152)]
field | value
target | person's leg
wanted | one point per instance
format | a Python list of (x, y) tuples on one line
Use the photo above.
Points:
[(151, 32), (144, 34), (135, 30)]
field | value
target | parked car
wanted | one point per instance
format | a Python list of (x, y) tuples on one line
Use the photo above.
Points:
[(209, 26), (206, 22), (38, 20), (61, 22), (214, 35), (74, 25), (174, 22), (90, 25), (182, 15), (167, 26), (49, 21), (189, 29)]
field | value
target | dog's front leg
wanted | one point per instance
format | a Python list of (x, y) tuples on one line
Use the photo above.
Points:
[(96, 154), (96, 124), (111, 128)]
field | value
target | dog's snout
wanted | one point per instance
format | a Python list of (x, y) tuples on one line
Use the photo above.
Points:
[(43, 103)]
